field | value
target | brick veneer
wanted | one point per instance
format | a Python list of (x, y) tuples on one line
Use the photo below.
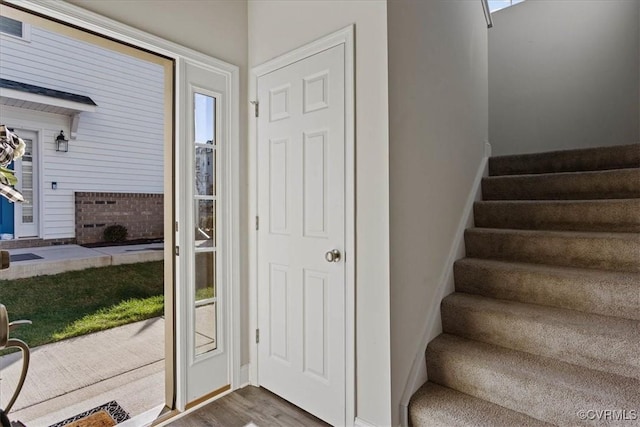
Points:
[(141, 213)]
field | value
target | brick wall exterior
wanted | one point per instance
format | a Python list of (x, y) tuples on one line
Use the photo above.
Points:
[(142, 214)]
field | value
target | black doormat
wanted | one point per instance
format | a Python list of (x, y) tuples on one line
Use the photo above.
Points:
[(105, 415), (24, 257)]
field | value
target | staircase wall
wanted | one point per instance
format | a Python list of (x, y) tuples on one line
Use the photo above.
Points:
[(437, 133), (564, 74)]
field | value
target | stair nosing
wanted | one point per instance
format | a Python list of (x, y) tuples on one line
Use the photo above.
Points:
[(556, 202), (568, 371), (569, 151), (438, 388), (562, 311), (547, 267), (562, 174)]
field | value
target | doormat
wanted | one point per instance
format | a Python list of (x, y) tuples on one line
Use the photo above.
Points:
[(24, 257), (107, 415)]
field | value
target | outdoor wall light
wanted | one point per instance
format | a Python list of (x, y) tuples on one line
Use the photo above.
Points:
[(62, 144)]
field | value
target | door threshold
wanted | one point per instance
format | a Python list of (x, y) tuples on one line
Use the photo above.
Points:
[(146, 418)]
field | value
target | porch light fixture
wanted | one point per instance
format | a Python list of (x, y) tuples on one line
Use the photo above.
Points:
[(62, 144)]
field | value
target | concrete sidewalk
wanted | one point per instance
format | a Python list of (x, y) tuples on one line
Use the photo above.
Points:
[(125, 364), (58, 259)]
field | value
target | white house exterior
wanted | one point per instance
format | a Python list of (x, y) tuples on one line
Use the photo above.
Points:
[(115, 147)]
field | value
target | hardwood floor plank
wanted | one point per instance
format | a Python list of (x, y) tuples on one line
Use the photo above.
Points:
[(249, 405)]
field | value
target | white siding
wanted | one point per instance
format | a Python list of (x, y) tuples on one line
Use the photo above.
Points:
[(119, 148)]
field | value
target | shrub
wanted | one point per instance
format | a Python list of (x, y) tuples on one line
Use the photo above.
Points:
[(115, 233)]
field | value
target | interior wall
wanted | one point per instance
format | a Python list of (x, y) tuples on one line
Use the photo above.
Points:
[(564, 74), (276, 27), (438, 115), (215, 28)]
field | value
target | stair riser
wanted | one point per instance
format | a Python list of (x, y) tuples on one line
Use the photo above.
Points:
[(617, 184), (605, 252), (619, 295), (533, 393), (618, 157), (605, 216), (566, 342)]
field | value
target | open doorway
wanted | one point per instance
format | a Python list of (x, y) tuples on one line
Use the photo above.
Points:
[(89, 258)]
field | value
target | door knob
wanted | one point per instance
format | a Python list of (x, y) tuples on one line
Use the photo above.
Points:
[(333, 256)]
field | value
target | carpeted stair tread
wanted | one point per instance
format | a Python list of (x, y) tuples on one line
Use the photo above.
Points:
[(541, 387), (600, 158), (608, 184), (437, 406), (604, 343), (608, 293), (618, 215), (545, 320), (608, 251)]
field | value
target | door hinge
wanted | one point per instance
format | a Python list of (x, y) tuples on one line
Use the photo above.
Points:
[(176, 230), (177, 250), (257, 223), (257, 336), (256, 109)]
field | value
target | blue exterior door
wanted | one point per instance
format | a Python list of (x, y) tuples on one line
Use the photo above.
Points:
[(6, 214)]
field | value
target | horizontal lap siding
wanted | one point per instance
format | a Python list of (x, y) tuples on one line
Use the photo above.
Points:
[(119, 148)]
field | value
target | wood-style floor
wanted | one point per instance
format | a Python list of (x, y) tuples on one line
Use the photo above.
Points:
[(249, 405)]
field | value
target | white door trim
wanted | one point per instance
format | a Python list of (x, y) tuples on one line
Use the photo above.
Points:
[(84, 19), (344, 36)]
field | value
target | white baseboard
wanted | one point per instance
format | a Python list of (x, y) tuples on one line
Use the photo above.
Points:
[(244, 375), (433, 325)]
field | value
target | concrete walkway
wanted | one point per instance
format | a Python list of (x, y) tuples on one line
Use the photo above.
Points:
[(125, 364), (58, 259)]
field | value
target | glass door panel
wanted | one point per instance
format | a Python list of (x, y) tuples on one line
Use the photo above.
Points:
[(205, 301)]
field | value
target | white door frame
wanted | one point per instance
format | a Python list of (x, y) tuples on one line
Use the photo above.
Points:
[(84, 19), (344, 36)]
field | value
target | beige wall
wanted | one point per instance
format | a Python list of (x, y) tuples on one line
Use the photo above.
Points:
[(276, 27), (564, 74), (438, 117), (215, 28)]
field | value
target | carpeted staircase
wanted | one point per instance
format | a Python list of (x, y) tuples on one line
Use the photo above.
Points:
[(544, 326)]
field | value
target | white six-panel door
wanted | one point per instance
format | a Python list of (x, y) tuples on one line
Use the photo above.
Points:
[(301, 208)]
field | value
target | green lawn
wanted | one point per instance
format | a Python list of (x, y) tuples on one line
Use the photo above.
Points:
[(80, 302)]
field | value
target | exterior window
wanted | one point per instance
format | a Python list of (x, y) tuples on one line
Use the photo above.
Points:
[(14, 28), (495, 5)]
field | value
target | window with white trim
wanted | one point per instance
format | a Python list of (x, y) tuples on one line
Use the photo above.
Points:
[(15, 28)]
